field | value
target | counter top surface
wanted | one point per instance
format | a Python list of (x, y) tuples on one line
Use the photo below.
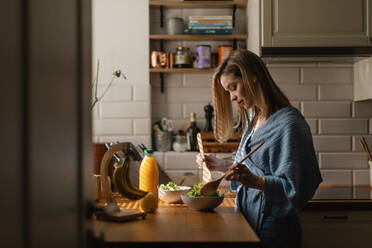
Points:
[(176, 224), (340, 198)]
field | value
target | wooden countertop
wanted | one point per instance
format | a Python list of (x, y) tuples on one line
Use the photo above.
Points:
[(177, 225)]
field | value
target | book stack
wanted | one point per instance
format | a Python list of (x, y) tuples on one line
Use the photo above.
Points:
[(210, 25)]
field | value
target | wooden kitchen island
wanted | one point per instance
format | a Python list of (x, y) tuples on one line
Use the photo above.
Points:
[(175, 225)]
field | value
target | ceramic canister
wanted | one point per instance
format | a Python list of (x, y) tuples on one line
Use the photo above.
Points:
[(174, 25), (204, 56)]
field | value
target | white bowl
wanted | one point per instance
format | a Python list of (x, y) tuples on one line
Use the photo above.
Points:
[(173, 196), (202, 203)]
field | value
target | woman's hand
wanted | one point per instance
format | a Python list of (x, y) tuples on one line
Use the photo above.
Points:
[(212, 163), (240, 173)]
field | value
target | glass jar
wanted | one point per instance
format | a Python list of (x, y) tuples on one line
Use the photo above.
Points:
[(182, 58)]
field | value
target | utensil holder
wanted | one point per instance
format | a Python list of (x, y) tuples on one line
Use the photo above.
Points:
[(162, 141)]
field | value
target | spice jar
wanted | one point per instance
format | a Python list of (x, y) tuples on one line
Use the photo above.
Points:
[(182, 58), (223, 52)]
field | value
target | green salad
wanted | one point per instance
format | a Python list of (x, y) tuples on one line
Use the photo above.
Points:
[(169, 186), (195, 191)]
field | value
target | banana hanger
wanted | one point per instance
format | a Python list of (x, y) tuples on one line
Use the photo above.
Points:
[(115, 213)]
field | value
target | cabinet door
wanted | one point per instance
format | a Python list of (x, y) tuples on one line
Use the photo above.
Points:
[(316, 23), (336, 229)]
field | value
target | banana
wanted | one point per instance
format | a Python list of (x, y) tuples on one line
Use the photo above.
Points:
[(131, 184), (120, 178), (130, 187)]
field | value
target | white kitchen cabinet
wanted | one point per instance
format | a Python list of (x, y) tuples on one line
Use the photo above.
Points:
[(363, 80), (293, 23), (336, 229)]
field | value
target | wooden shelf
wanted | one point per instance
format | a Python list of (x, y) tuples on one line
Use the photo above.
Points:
[(199, 4), (180, 70), (199, 37)]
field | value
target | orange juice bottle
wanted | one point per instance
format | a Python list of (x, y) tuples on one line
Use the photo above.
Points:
[(149, 174)]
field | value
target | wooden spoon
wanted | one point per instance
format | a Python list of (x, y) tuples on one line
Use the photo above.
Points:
[(211, 187)]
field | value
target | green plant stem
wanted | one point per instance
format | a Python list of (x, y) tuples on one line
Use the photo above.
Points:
[(107, 88)]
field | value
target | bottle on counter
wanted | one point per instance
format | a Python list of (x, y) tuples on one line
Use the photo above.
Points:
[(192, 131), (149, 173)]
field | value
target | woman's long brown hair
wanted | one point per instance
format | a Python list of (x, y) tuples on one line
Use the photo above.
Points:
[(249, 67)]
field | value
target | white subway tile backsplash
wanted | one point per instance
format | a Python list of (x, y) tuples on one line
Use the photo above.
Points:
[(296, 104), (142, 127), (291, 64), (357, 146), (159, 157), (327, 64), (326, 109), (343, 126), (125, 110), (322, 91), (337, 177), (95, 112), (343, 160), (320, 75), (300, 92), (189, 95), (171, 80), (362, 109), (199, 80), (180, 124), (336, 92), (115, 93), (313, 124), (177, 175), (361, 177), (197, 108), (180, 161), (168, 12), (135, 140), (171, 111), (332, 143), (283, 75), (142, 93), (112, 127)]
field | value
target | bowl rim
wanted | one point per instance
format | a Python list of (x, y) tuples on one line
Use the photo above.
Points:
[(176, 190), (199, 197)]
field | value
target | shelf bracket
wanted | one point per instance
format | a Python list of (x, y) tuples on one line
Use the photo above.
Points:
[(161, 82), (161, 45), (233, 15), (234, 44), (161, 16)]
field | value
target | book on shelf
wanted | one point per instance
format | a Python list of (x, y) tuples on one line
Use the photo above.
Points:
[(192, 18), (208, 24), (211, 20), (210, 27), (208, 31)]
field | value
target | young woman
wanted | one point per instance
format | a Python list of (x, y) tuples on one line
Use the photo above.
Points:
[(282, 175)]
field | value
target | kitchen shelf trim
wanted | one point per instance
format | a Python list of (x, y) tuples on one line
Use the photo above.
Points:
[(199, 37), (198, 4), (181, 70)]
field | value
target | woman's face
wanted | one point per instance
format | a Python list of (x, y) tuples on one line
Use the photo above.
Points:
[(234, 85)]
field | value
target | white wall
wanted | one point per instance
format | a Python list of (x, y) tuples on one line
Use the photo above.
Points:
[(121, 41), (322, 92)]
